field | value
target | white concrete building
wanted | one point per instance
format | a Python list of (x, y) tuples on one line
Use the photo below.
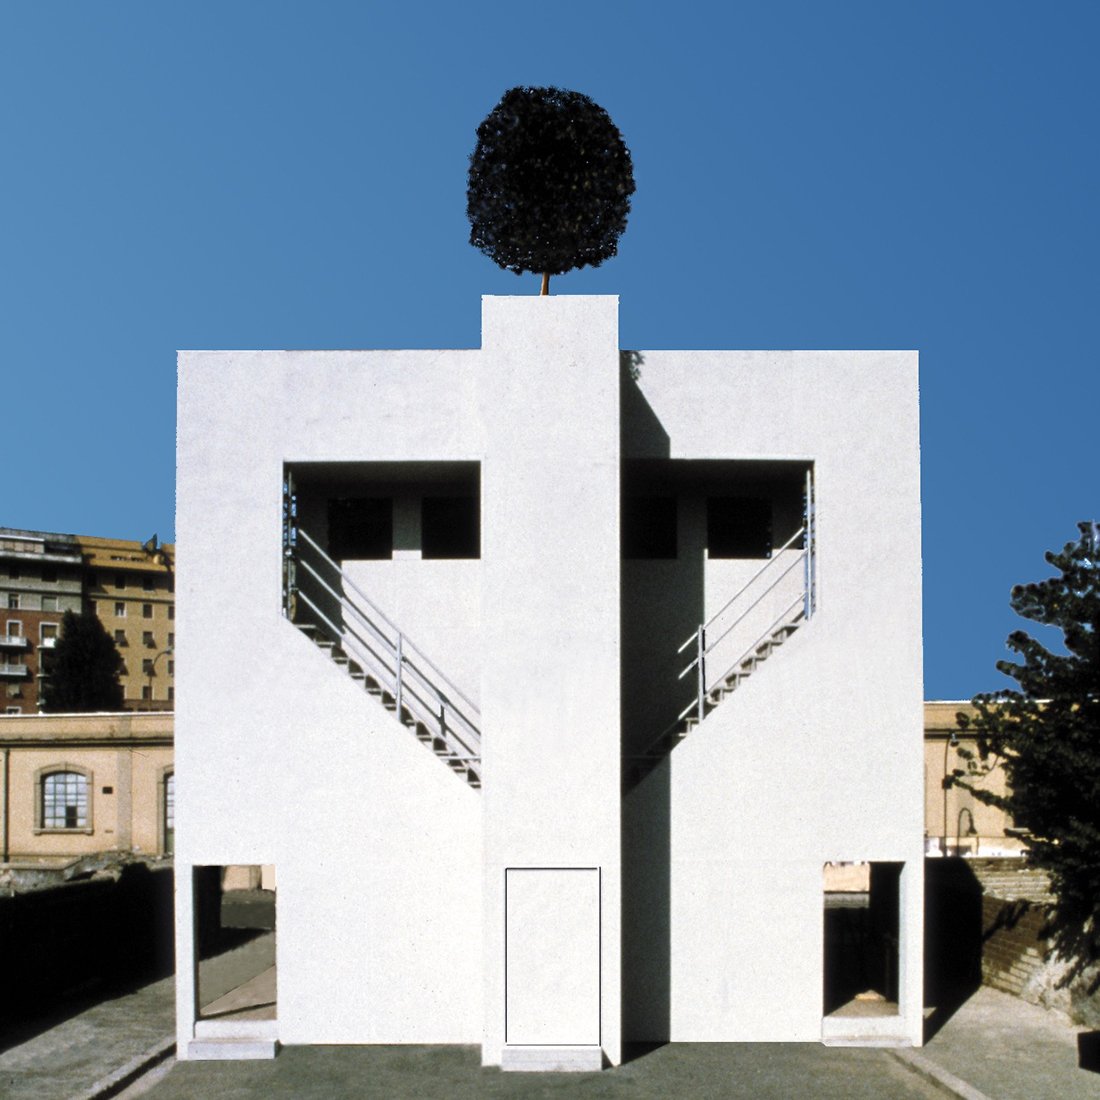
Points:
[(448, 596)]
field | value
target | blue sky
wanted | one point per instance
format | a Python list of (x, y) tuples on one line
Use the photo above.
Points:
[(841, 175)]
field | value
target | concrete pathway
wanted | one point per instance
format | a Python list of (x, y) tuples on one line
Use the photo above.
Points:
[(78, 1057), (684, 1071), (1007, 1049), (995, 1047)]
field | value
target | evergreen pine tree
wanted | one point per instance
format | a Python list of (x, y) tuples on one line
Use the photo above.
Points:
[(1046, 736), (83, 668)]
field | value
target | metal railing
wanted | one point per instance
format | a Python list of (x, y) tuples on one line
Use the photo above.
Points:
[(708, 636), (705, 640), (321, 594)]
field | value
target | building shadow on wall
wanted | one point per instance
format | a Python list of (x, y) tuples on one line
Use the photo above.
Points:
[(651, 595), (952, 939), (646, 926)]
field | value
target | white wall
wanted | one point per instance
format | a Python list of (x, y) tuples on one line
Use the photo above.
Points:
[(280, 759), (550, 621), (818, 756), (386, 861)]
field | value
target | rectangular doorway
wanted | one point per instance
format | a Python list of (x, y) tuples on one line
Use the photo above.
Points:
[(552, 956)]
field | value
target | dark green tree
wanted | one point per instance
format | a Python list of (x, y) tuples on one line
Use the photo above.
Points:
[(1046, 736), (550, 183), (83, 668)]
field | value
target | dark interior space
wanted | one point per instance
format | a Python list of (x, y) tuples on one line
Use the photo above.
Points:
[(861, 945)]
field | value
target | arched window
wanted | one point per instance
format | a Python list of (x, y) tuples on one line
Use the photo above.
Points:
[(65, 800)]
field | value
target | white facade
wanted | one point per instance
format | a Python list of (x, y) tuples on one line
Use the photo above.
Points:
[(545, 914)]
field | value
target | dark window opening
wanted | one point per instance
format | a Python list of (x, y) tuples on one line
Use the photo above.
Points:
[(649, 527), (450, 527), (739, 527), (360, 529)]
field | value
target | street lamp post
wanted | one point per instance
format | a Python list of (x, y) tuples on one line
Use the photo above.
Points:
[(949, 744)]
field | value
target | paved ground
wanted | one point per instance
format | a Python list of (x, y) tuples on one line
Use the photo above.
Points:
[(1011, 1050), (64, 1061), (995, 1046), (692, 1071)]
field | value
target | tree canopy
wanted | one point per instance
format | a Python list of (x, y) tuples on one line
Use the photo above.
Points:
[(1046, 735), (83, 668), (550, 183)]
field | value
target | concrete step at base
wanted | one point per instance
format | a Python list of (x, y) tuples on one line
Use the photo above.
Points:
[(229, 1050), (551, 1059)]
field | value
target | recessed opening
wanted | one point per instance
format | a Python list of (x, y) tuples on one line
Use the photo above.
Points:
[(861, 938), (235, 938), (360, 528), (378, 511), (739, 527), (450, 527)]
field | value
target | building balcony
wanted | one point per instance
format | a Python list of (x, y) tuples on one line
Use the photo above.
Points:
[(47, 643), (16, 671), (13, 641)]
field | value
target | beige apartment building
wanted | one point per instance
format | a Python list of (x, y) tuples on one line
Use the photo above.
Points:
[(40, 579), (130, 586)]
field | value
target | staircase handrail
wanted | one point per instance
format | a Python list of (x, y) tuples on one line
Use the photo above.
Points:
[(783, 617), (649, 752), (390, 665), (753, 579), (406, 641), (807, 556), (426, 716), (711, 643)]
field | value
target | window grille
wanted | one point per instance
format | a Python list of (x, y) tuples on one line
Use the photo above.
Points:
[(65, 801)]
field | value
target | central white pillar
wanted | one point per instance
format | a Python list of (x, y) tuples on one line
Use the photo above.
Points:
[(550, 681)]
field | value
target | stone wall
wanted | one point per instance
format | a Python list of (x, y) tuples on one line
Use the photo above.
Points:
[(1016, 956)]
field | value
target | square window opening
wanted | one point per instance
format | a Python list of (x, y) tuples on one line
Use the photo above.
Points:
[(360, 528), (450, 527), (739, 527)]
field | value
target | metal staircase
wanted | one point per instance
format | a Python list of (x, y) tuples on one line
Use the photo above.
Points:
[(326, 605), (714, 642)]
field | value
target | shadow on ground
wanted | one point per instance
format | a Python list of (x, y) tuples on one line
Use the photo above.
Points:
[(952, 939)]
